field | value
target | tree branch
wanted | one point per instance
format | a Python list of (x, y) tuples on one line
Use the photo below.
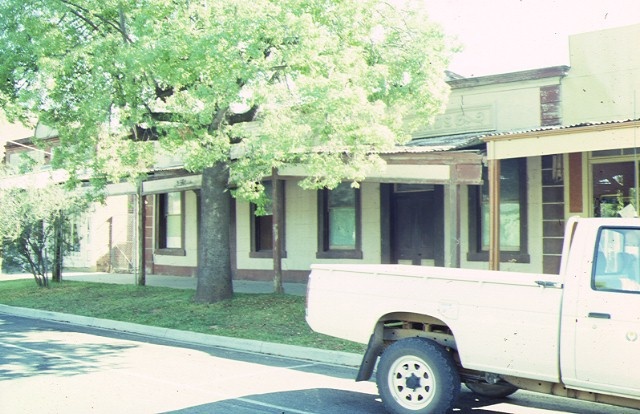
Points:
[(114, 25), (218, 119), (84, 19), (123, 27), (248, 116)]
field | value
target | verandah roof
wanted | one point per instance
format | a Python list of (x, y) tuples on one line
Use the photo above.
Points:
[(584, 137)]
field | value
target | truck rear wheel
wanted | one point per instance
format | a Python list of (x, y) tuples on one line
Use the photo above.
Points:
[(417, 376)]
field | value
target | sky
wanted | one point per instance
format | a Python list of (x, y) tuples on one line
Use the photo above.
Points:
[(500, 36)]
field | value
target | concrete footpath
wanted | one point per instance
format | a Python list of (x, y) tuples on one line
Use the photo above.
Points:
[(177, 282), (247, 345)]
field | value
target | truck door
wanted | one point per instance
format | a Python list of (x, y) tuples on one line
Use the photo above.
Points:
[(607, 320)]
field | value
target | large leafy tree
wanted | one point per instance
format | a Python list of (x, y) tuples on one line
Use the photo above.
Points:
[(323, 83)]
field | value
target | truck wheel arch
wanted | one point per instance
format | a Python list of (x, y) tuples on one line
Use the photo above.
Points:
[(400, 325), (395, 326)]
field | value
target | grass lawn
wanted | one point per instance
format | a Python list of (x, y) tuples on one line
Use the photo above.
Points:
[(263, 317)]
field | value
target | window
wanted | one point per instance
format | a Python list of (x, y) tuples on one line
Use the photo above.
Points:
[(26, 161), (262, 225), (71, 234), (513, 214), (614, 188), (616, 265), (170, 233), (339, 223)]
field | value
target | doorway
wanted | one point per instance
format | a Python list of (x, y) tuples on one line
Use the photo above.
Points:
[(417, 224)]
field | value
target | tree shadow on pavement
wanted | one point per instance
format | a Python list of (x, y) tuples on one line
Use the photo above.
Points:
[(335, 401), (323, 401), (319, 400), (33, 352)]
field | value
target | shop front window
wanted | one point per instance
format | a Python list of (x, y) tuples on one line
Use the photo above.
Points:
[(513, 217), (614, 188)]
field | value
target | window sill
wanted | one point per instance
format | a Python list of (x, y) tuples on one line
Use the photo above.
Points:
[(505, 257), (171, 252), (265, 254), (340, 254)]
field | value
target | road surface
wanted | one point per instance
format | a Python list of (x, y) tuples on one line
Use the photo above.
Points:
[(48, 367)]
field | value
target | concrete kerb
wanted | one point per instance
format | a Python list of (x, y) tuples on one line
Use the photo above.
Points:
[(247, 345)]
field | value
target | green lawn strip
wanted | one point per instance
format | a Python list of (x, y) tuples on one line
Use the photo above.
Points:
[(262, 317)]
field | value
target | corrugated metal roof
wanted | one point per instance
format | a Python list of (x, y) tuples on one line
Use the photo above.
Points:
[(439, 144), (470, 140), (556, 128)]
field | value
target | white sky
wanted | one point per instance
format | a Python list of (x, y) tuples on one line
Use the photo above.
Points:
[(502, 36)]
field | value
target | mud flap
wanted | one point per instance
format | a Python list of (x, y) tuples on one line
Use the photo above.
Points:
[(374, 349)]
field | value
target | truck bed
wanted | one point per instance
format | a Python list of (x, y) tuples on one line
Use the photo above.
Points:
[(508, 313)]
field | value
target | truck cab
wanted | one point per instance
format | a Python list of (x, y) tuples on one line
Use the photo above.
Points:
[(601, 307)]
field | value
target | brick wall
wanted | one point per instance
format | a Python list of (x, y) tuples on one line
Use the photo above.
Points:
[(550, 105)]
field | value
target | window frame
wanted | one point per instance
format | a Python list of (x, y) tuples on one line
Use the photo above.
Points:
[(161, 226), (255, 251), (72, 234), (476, 252), (618, 272), (616, 200), (324, 250)]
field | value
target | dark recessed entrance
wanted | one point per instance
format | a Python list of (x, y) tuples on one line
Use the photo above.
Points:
[(417, 224)]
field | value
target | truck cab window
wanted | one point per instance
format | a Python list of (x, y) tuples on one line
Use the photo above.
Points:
[(616, 264)]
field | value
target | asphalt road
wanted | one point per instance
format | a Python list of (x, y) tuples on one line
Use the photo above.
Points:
[(50, 367)]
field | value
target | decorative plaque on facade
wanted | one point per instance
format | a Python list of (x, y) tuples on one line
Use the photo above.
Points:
[(460, 121)]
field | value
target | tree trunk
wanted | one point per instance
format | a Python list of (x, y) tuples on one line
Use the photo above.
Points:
[(141, 215), (56, 271), (276, 223), (214, 258)]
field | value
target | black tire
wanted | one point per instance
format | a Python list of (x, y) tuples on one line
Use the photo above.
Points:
[(491, 390), (417, 376)]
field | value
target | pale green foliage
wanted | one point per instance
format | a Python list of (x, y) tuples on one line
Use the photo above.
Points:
[(28, 217), (20, 207), (332, 81)]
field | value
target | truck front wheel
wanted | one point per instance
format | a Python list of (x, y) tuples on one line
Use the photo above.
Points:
[(417, 376)]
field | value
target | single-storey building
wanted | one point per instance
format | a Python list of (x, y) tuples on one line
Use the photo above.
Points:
[(559, 141)]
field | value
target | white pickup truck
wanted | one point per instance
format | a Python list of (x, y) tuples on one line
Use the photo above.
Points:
[(576, 334)]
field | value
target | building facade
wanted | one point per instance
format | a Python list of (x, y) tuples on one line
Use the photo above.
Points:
[(564, 139)]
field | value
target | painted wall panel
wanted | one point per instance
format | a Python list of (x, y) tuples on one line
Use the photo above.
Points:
[(514, 105), (604, 81)]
